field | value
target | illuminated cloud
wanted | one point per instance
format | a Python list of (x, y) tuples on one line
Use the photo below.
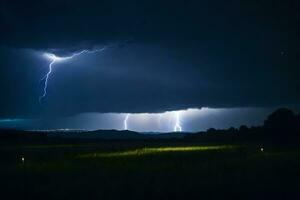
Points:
[(191, 120), (54, 59)]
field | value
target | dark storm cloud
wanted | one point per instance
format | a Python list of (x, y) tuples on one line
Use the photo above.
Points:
[(166, 55), (68, 25)]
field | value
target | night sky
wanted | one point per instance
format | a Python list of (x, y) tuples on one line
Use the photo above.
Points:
[(228, 62)]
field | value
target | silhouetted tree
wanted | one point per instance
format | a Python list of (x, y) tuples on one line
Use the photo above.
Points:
[(243, 129), (297, 122), (282, 122), (281, 118), (211, 130), (232, 130)]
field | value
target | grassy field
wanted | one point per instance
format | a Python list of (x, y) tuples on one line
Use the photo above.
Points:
[(149, 170)]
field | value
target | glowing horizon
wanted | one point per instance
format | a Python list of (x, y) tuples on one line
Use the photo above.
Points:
[(189, 120)]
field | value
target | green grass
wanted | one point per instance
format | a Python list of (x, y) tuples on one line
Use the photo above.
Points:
[(149, 170), (155, 150)]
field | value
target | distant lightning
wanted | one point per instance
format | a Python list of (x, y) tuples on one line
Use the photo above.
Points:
[(126, 121), (159, 119), (54, 59), (177, 127)]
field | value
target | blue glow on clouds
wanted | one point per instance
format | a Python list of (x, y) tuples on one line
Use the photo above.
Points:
[(191, 120)]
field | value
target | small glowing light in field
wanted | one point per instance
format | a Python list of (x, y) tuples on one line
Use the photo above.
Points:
[(262, 149), (23, 159)]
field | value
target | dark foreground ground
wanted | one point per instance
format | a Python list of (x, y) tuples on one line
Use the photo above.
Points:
[(150, 170)]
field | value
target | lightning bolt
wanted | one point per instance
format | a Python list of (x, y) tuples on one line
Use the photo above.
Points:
[(177, 127), (125, 121), (159, 119), (54, 59)]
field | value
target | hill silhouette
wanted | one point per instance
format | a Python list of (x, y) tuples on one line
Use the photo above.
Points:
[(283, 125)]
